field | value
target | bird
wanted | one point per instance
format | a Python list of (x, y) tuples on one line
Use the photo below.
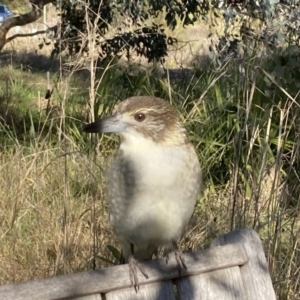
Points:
[(153, 180)]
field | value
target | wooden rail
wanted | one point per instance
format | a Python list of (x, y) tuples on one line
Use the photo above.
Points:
[(234, 267)]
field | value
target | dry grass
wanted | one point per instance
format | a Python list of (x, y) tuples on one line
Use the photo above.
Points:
[(53, 213)]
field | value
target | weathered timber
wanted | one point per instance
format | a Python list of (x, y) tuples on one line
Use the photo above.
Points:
[(157, 291), (224, 284), (255, 274), (117, 277)]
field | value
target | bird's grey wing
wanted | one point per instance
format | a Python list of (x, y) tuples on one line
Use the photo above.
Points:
[(120, 185)]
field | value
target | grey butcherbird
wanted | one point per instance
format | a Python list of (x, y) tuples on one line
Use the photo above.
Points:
[(154, 179)]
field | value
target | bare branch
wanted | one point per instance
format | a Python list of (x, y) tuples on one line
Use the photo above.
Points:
[(53, 28)]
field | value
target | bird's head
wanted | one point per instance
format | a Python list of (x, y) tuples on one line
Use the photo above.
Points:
[(143, 117)]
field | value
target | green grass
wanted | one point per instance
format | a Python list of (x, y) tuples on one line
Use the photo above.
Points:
[(54, 219)]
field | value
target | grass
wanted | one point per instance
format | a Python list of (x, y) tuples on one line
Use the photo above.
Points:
[(53, 209)]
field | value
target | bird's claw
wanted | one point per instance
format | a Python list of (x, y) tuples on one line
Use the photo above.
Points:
[(180, 260), (133, 265)]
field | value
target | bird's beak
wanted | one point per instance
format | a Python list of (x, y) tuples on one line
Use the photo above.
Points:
[(112, 124)]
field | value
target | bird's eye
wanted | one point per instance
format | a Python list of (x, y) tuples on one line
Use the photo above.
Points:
[(140, 117)]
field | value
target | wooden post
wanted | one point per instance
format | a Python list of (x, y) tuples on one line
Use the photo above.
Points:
[(255, 273)]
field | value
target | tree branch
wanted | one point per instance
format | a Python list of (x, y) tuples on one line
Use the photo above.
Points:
[(53, 28), (33, 15)]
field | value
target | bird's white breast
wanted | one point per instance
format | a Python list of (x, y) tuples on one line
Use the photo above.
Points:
[(152, 191)]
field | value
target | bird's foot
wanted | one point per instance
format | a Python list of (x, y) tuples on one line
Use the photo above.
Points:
[(133, 265), (179, 258)]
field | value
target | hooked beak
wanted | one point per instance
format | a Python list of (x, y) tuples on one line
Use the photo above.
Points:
[(112, 124)]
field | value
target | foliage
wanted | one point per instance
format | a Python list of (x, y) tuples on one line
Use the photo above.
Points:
[(143, 25), (147, 40)]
